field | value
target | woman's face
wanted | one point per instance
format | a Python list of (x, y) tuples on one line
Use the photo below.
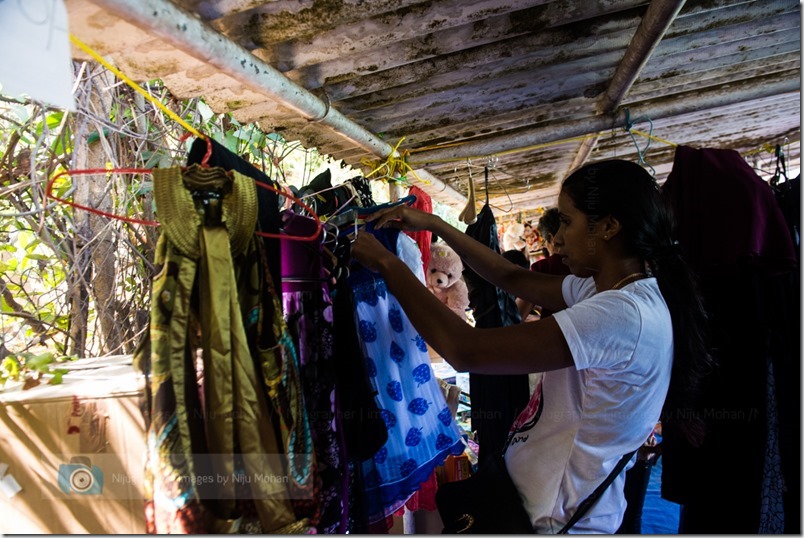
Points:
[(577, 239)]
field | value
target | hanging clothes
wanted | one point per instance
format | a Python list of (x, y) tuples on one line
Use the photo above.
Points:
[(363, 430), (267, 201), (325, 198), (421, 430), (267, 332), (309, 316), (224, 431), (788, 196), (497, 400), (735, 237), (423, 238)]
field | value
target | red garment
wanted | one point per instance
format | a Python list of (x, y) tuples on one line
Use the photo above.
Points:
[(424, 499), (422, 238)]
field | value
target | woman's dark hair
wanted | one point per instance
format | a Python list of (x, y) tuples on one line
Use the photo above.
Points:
[(549, 223), (627, 192)]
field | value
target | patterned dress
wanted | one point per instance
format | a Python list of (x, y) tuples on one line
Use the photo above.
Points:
[(308, 313), (421, 430)]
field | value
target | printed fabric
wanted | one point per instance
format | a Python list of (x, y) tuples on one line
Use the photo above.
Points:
[(204, 446), (421, 430), (309, 317)]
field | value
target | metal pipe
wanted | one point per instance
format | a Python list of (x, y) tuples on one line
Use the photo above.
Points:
[(736, 92), (435, 186), (190, 35), (654, 24), (587, 145)]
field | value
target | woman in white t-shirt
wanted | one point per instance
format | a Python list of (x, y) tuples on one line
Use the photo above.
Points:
[(625, 344)]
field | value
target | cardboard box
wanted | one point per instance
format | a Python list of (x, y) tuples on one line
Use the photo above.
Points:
[(76, 450), (454, 468)]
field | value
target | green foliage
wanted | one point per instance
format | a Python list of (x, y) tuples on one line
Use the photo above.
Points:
[(47, 270), (30, 368)]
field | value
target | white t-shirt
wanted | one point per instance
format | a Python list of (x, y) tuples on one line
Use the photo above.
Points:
[(593, 414)]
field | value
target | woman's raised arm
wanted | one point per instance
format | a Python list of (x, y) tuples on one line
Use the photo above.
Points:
[(541, 289), (518, 349)]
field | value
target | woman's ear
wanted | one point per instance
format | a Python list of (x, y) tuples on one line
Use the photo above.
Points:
[(610, 227)]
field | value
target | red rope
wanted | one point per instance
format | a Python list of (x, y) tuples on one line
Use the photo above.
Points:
[(49, 192)]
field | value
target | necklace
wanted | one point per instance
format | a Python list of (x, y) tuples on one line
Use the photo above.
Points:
[(632, 275)]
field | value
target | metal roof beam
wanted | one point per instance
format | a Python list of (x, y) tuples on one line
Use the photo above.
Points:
[(654, 24), (190, 35)]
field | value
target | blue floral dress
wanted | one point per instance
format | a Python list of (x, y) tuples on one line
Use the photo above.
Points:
[(421, 430)]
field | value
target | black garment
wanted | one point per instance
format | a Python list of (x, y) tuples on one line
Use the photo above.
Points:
[(733, 234), (496, 399), (268, 201), (325, 199), (364, 430), (788, 196), (635, 489)]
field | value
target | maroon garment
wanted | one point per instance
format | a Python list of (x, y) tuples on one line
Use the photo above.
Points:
[(735, 236), (302, 269), (551, 265), (729, 213)]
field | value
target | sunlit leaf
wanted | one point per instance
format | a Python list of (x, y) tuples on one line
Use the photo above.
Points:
[(57, 376), (41, 257), (11, 367), (204, 110), (230, 141), (40, 362)]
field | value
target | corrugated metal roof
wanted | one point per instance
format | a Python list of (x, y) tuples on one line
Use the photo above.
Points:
[(525, 82)]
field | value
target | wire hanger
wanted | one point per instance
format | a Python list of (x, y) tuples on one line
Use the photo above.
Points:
[(90, 171), (50, 194), (491, 162), (781, 166), (641, 152)]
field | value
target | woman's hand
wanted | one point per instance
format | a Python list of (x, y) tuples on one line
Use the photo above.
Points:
[(403, 218), (370, 253)]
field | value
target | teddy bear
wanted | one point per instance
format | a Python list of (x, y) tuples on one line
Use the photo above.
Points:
[(444, 278), (514, 236)]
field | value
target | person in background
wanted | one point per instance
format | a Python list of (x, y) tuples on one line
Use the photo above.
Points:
[(552, 264), (548, 226), (624, 347)]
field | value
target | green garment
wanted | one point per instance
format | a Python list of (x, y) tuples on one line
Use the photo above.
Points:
[(198, 445)]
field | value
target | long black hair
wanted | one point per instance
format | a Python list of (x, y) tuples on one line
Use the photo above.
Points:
[(627, 192)]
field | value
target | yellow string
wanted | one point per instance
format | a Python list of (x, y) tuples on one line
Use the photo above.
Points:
[(764, 147), (134, 85), (396, 165), (656, 138)]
